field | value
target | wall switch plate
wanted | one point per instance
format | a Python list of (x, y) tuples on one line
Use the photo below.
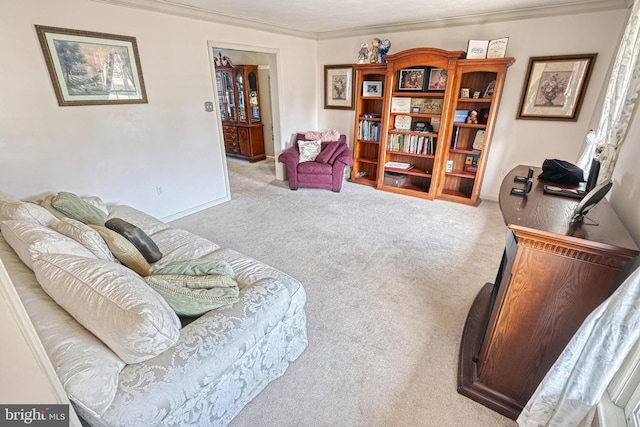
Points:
[(208, 106)]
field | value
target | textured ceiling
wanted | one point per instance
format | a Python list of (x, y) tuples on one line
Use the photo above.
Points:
[(320, 16)]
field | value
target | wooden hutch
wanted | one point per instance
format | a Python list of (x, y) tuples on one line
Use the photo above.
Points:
[(239, 103)]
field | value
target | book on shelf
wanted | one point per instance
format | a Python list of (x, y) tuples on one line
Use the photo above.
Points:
[(471, 163), (368, 130), (454, 138), (399, 165), (460, 116), (414, 144), (400, 104), (478, 140)]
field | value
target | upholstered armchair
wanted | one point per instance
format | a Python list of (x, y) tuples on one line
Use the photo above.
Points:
[(308, 168)]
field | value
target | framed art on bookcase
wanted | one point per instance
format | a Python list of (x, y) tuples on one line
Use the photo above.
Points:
[(371, 88), (411, 79)]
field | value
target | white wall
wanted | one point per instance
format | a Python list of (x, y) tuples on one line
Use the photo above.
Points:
[(514, 141), (123, 153)]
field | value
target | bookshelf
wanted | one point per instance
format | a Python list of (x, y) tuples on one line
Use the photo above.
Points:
[(470, 142), (417, 124), (369, 124), (408, 106)]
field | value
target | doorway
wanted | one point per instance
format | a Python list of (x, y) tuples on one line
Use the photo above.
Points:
[(266, 60)]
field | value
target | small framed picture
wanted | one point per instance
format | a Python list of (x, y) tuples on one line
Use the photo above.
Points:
[(464, 92), (437, 79), (449, 167), (476, 94), (416, 109), (371, 88), (411, 79)]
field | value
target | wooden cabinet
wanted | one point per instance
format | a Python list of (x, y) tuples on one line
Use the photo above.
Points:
[(416, 123), (369, 122), (464, 160), (239, 103), (552, 275)]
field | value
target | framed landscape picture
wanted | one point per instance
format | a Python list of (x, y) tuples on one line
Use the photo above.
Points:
[(555, 87), (88, 68), (338, 87)]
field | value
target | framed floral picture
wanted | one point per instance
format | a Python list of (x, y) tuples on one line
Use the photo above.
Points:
[(555, 87), (338, 87), (88, 68)]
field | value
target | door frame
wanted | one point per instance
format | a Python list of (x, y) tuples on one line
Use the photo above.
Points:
[(276, 108)]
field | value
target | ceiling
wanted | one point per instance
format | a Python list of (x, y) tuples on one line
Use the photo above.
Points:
[(340, 16)]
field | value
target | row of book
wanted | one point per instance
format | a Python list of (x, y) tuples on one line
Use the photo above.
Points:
[(368, 130), (415, 144)]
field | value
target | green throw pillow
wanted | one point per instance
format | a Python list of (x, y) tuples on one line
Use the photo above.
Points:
[(74, 207), (195, 267)]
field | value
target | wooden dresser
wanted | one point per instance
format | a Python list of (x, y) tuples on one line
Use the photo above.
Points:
[(552, 275)]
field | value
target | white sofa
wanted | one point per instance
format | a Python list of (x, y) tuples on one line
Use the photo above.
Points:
[(203, 373)]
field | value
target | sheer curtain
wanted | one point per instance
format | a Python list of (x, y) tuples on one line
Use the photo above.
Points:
[(619, 104), (570, 391), (568, 394)]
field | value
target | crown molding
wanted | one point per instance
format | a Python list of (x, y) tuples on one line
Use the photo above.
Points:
[(168, 7), (529, 13), (164, 6)]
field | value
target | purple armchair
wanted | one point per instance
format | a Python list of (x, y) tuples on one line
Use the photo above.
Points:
[(327, 171)]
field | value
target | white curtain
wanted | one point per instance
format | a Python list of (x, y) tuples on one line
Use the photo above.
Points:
[(619, 104), (570, 391)]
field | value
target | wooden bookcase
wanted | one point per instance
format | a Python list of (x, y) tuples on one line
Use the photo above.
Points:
[(475, 76), (427, 150), (369, 123)]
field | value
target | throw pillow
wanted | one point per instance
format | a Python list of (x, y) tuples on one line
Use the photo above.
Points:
[(309, 150), (327, 152), (342, 147), (30, 240), (86, 236), (195, 295), (25, 211), (76, 208), (135, 235), (46, 203), (123, 250), (112, 302)]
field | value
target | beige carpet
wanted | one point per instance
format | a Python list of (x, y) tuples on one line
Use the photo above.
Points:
[(389, 282)]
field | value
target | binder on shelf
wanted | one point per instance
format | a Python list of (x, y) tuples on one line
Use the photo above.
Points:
[(461, 116)]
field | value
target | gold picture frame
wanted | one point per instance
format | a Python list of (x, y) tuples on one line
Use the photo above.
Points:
[(555, 87), (338, 87), (89, 68)]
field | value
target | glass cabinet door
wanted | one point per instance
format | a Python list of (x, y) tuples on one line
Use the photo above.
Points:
[(231, 97), (221, 96), (242, 112), (253, 97)]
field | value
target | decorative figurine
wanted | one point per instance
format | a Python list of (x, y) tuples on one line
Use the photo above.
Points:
[(385, 45), (362, 53), (374, 51), (473, 117)]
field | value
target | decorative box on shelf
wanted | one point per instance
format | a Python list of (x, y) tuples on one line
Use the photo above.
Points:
[(394, 179)]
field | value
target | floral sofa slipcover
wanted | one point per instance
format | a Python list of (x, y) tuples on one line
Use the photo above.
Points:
[(202, 373)]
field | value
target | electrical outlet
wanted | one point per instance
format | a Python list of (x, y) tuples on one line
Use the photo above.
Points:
[(208, 107), (159, 190)]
